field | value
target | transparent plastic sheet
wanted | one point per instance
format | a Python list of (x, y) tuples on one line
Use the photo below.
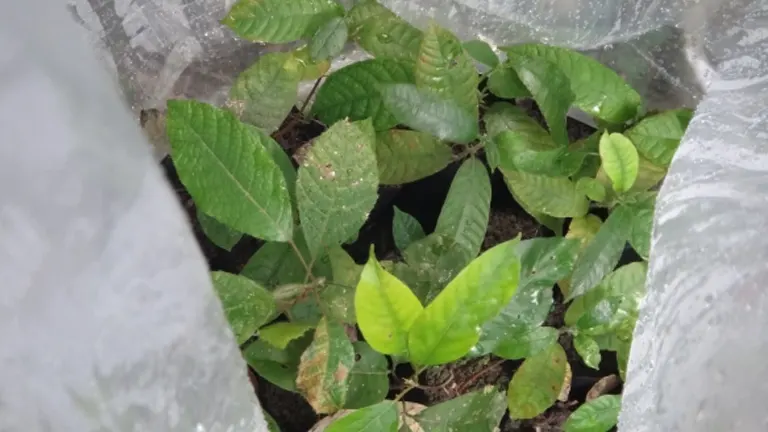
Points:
[(108, 321)]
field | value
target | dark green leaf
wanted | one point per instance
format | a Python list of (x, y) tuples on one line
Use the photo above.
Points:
[(278, 21), (592, 188), (246, 304), (588, 349), (280, 157), (620, 160), (406, 229), (425, 111), (239, 185), (337, 185), (515, 153), (329, 40), (657, 137), (537, 383), (405, 156), (526, 342), (354, 92), (323, 376), (504, 83), (382, 33), (482, 52), (472, 412), (554, 196), (369, 379), (277, 366), (338, 297), (598, 415), (276, 264), (432, 262), (280, 334), (503, 116), (220, 234), (380, 417), (640, 234)]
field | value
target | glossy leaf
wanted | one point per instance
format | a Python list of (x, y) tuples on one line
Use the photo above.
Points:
[(369, 379), (406, 229), (337, 185), (526, 342), (382, 33), (425, 111), (380, 417), (640, 233), (280, 334), (620, 160), (432, 262), (312, 70), (598, 415), (338, 297), (280, 157), (598, 90), (264, 94), (405, 156), (448, 326), (588, 349), (554, 196), (277, 21), (537, 383), (227, 171), (551, 90), (276, 264), (480, 410), (465, 213), (515, 153), (482, 52), (504, 83), (386, 309), (602, 254), (592, 188), (657, 137), (329, 40), (279, 367), (219, 234), (325, 366), (503, 116), (354, 92), (247, 305)]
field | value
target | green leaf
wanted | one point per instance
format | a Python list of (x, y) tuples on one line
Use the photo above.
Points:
[(598, 415), (482, 52), (312, 70), (264, 94), (526, 342), (550, 89), (337, 185), (477, 411), (537, 383), (220, 234), (406, 229), (354, 92), (588, 349), (515, 153), (620, 160), (592, 188), (271, 423), (369, 379), (276, 264), (280, 334), (648, 175), (386, 309), (405, 156), (425, 111), (227, 171), (465, 213), (599, 90), (448, 327), (338, 297), (584, 229), (382, 33), (554, 196), (277, 366), (277, 21), (247, 305), (329, 40), (380, 417), (602, 254), (504, 83), (622, 358), (432, 262), (443, 67), (280, 157), (657, 137), (323, 376), (503, 116), (640, 233)]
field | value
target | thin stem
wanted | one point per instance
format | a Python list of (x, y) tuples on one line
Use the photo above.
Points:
[(309, 96), (472, 379), (412, 383), (470, 151), (307, 267)]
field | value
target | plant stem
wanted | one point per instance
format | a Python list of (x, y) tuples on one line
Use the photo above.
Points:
[(306, 266), (413, 379), (309, 96), (471, 380), (470, 151)]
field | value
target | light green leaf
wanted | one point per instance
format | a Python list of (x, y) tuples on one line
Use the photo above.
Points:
[(588, 349), (504, 83), (657, 137), (640, 233), (537, 383), (386, 309), (323, 376), (405, 156), (584, 229), (329, 40), (312, 70), (602, 254), (247, 305), (369, 379), (598, 415), (265, 93), (503, 116), (354, 92), (620, 160), (406, 229), (239, 185), (280, 334), (526, 342), (648, 175), (599, 90), (337, 185), (465, 213), (220, 234), (432, 262), (380, 417), (554, 196), (278, 21), (482, 52), (592, 188), (279, 367), (425, 111), (477, 411), (280, 157), (449, 326), (550, 89), (622, 358), (443, 67), (382, 33), (551, 222), (515, 153)]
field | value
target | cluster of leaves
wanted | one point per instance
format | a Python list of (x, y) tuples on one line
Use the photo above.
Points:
[(407, 113)]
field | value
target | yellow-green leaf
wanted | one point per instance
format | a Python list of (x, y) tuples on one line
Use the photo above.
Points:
[(620, 160), (592, 188), (588, 349), (380, 417), (537, 383), (280, 334), (279, 21), (657, 137), (405, 156), (247, 305), (554, 196)]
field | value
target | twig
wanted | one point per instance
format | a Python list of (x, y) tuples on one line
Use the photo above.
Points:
[(472, 379), (309, 96)]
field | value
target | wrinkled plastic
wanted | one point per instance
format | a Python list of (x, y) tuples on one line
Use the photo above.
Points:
[(108, 321)]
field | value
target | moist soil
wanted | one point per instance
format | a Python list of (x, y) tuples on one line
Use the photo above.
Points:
[(423, 199)]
